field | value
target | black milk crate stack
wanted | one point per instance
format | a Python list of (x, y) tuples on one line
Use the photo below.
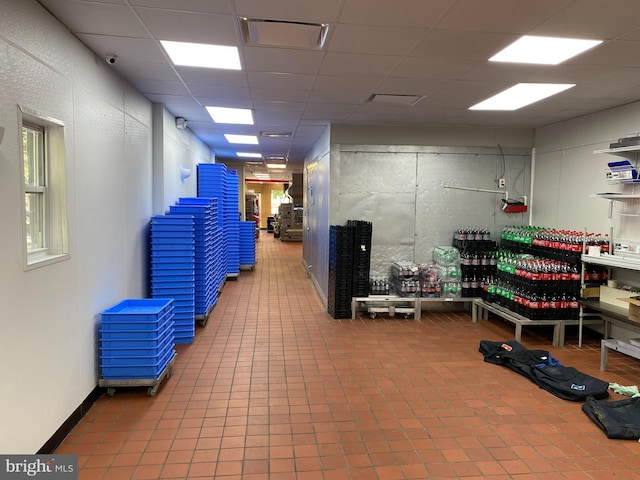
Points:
[(136, 339), (247, 244), (173, 270), (341, 244), (361, 256), (202, 209)]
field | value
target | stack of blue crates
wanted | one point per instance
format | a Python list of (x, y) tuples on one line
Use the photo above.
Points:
[(136, 339), (231, 212), (202, 210), (173, 269), (212, 184), (247, 244)]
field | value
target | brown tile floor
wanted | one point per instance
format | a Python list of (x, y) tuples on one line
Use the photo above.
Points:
[(273, 388)]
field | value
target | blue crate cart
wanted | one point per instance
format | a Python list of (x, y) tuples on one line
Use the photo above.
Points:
[(137, 344), (152, 384)]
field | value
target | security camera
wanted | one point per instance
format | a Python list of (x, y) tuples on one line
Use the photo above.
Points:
[(111, 59)]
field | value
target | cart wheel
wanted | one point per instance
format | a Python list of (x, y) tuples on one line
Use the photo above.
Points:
[(408, 316), (372, 315), (111, 391), (152, 391)]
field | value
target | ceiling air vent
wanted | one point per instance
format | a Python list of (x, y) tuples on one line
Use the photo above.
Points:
[(391, 99), (281, 33)]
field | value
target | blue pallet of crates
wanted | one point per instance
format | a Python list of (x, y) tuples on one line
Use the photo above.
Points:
[(174, 276), (213, 181), (203, 211), (136, 343), (247, 244)]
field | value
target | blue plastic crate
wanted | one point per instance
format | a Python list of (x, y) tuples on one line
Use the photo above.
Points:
[(128, 342), (108, 350), (188, 255), (137, 309), (164, 271), (172, 220), (162, 279), (179, 242), (175, 234), (136, 360), (195, 201), (134, 333), (186, 297), (188, 288), (122, 372), (135, 325), (181, 312)]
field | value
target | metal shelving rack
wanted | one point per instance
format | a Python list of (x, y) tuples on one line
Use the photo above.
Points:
[(610, 314)]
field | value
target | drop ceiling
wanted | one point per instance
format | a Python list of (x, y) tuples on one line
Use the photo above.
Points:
[(432, 50)]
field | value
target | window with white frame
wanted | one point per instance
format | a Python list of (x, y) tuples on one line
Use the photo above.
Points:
[(44, 180), (35, 187)]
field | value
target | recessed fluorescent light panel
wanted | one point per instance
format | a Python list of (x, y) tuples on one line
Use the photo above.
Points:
[(248, 155), (202, 55), (238, 116), (244, 139), (543, 50), (521, 95), (276, 165)]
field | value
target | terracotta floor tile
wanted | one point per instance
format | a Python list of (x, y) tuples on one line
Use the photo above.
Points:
[(274, 388)]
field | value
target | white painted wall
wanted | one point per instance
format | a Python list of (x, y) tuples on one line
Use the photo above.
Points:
[(567, 171), (49, 316)]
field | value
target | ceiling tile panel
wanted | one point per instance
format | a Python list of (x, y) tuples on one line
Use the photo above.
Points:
[(402, 13), (335, 83), (415, 67), (351, 64), (146, 86), (151, 71), (325, 11), (203, 6), (190, 27), (212, 76), (290, 107), (131, 50), (409, 86), (281, 60), (616, 53), (451, 44), (506, 16), (339, 97), (593, 19), (374, 40), (279, 95), (97, 18), (200, 91), (280, 80)]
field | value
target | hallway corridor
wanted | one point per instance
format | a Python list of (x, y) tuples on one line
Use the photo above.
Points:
[(274, 388)]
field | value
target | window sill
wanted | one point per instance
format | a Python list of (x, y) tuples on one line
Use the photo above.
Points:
[(42, 260)]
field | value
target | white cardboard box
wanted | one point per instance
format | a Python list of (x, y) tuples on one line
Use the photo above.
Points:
[(612, 296)]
